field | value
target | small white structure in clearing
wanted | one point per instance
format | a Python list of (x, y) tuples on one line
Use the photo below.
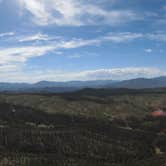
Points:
[(13, 110)]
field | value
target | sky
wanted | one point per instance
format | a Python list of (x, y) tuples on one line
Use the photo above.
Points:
[(63, 40)]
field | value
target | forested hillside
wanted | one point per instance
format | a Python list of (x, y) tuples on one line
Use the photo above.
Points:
[(89, 127)]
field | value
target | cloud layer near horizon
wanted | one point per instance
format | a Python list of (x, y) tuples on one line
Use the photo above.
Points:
[(100, 74)]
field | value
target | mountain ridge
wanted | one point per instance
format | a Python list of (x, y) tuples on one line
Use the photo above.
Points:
[(53, 86)]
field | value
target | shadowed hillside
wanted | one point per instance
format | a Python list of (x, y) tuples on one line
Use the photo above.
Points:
[(99, 103)]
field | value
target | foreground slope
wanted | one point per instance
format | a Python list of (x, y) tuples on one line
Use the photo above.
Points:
[(88, 127)]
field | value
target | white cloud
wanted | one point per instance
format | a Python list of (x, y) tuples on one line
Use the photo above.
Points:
[(75, 56), (99, 74), (37, 9), (123, 37), (6, 34), (74, 12), (157, 36), (12, 58), (148, 50), (80, 55), (122, 73), (21, 54), (35, 37), (8, 68)]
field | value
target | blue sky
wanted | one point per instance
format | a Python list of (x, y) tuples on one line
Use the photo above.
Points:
[(62, 40)]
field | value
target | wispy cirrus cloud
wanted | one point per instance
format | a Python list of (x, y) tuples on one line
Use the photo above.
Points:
[(34, 37), (123, 37), (74, 13), (7, 34), (16, 56), (12, 59), (157, 36), (24, 52), (119, 37), (21, 54)]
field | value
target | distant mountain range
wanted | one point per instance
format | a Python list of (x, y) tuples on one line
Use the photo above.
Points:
[(141, 83), (48, 86)]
